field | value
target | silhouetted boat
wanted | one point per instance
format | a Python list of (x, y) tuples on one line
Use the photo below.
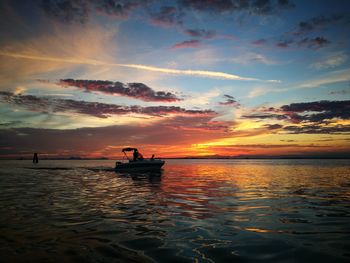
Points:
[(138, 164)]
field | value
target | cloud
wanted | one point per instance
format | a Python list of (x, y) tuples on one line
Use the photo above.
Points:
[(273, 126), (268, 146), (55, 40), (67, 11), (315, 43), (201, 33), (230, 101), (81, 10), (133, 90), (11, 124), (261, 41), (168, 137), (306, 112), (197, 123), (317, 129), (286, 4), (96, 109), (329, 78), (167, 16), (187, 44), (264, 115), (341, 92), (318, 22), (252, 57), (284, 43), (261, 7), (118, 8), (198, 73), (324, 80), (309, 27), (331, 61), (317, 111)]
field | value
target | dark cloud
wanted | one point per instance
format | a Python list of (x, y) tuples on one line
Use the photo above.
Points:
[(310, 26), (319, 22), (341, 92), (201, 33), (167, 16), (11, 124), (315, 43), (216, 6), (261, 41), (317, 129), (267, 146), (323, 105), (187, 44), (80, 10), (67, 10), (286, 4), (264, 115), (284, 43), (133, 90), (261, 7), (118, 8), (230, 101), (273, 126), (315, 113), (96, 109), (198, 123)]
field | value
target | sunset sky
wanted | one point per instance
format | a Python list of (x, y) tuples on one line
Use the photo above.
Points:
[(174, 78)]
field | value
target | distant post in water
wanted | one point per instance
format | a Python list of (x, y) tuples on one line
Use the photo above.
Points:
[(35, 158)]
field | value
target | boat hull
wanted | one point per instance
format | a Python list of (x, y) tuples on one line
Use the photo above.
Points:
[(140, 165)]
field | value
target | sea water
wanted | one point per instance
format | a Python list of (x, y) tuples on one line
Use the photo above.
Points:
[(191, 211)]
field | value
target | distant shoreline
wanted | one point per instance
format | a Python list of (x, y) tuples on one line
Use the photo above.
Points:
[(192, 158)]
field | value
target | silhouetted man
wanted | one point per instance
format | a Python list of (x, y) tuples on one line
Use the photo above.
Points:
[(136, 154), (35, 158)]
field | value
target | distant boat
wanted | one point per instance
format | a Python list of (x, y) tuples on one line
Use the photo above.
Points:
[(138, 162)]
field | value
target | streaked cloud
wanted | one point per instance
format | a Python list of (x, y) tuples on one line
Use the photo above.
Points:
[(133, 90), (230, 101), (331, 61), (96, 109), (317, 129), (198, 73), (329, 78), (252, 58), (187, 44)]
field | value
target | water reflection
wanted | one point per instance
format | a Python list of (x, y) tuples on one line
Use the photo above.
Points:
[(191, 211), (152, 176)]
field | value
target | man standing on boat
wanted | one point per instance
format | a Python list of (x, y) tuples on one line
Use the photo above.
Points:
[(137, 155)]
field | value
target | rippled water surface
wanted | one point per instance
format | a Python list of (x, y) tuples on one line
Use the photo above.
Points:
[(192, 211)]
